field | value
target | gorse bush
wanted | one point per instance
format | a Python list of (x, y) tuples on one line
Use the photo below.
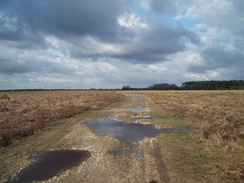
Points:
[(4, 97)]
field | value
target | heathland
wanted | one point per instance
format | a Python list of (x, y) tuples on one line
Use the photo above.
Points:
[(218, 119), (22, 113), (211, 152), (218, 115)]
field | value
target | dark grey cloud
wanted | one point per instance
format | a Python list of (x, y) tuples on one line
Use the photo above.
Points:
[(62, 17), (88, 17), (219, 57), (155, 44), (238, 5), (27, 22), (199, 68), (9, 67), (163, 6)]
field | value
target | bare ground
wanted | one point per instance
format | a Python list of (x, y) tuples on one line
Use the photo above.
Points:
[(166, 158)]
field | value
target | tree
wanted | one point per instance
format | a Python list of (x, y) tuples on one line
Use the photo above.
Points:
[(127, 87)]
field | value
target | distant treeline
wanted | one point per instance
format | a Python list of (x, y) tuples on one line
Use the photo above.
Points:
[(195, 85), (214, 85), (192, 85)]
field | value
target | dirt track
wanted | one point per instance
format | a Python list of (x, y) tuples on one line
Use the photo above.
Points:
[(111, 160)]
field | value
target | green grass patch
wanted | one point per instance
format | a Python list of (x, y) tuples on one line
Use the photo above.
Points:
[(197, 152), (165, 119), (201, 157), (4, 97)]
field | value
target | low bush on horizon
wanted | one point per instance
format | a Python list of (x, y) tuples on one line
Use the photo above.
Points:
[(27, 112)]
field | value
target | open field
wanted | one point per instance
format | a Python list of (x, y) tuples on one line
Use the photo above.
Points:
[(26, 112), (217, 116), (211, 151)]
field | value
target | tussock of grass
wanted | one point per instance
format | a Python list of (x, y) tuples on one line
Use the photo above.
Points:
[(26, 112)]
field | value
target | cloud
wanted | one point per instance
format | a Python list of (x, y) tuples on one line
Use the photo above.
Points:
[(61, 17), (16, 61), (224, 14), (157, 42), (219, 24), (165, 7), (217, 60), (111, 43), (131, 21), (93, 23), (222, 58), (196, 64)]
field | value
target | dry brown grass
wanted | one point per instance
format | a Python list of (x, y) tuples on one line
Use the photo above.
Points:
[(218, 117), (26, 112)]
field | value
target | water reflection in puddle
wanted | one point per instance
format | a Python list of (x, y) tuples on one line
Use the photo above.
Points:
[(129, 132), (136, 110), (141, 118), (47, 164), (110, 117)]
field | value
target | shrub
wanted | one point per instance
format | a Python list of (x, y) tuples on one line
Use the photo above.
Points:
[(4, 96)]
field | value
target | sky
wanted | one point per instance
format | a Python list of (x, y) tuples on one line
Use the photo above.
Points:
[(82, 44)]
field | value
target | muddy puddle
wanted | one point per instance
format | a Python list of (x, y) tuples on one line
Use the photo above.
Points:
[(139, 154), (135, 110), (129, 132), (48, 164)]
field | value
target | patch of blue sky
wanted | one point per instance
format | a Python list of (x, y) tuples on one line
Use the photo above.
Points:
[(140, 11), (170, 20), (188, 23)]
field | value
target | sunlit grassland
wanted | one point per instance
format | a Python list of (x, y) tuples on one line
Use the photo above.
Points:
[(217, 121), (218, 115), (22, 113)]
